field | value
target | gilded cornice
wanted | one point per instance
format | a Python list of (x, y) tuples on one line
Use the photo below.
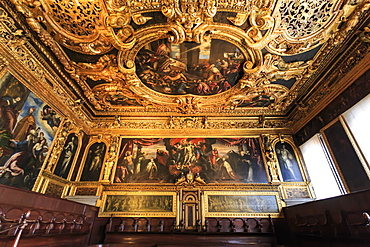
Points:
[(192, 124), (171, 187), (54, 178), (21, 55), (346, 67)]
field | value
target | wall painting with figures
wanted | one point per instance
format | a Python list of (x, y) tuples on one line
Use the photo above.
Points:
[(190, 68), (67, 156), (27, 129), (165, 160), (231, 204), (288, 162), (94, 162), (124, 203)]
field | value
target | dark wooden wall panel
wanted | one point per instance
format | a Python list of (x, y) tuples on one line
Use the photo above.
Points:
[(51, 221), (336, 221)]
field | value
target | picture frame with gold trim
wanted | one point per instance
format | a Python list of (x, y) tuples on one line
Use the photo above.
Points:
[(241, 204), (138, 204)]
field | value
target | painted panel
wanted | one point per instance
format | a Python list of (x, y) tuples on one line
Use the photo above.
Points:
[(226, 160), (27, 129), (138, 203), (94, 162), (288, 162), (66, 158), (190, 68), (148, 204), (241, 204), (346, 158)]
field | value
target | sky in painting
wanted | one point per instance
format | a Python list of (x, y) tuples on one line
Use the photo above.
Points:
[(35, 102)]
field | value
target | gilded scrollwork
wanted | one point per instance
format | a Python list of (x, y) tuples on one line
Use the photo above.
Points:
[(304, 18), (188, 122), (111, 158), (60, 139), (305, 25), (102, 49), (270, 158), (17, 42), (189, 13), (188, 104)]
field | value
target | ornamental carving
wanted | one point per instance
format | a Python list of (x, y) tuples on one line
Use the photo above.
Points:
[(189, 57), (304, 18)]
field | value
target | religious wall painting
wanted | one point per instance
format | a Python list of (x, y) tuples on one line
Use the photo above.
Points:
[(66, 157), (94, 162), (138, 204), (26, 133), (345, 157), (240, 204), (207, 68), (288, 162), (209, 160)]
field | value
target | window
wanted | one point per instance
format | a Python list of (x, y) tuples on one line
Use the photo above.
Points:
[(357, 119), (324, 177)]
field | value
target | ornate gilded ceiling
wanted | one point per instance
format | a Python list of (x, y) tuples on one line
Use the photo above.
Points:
[(203, 58)]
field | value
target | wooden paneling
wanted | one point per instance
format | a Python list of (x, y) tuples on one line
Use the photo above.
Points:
[(50, 221), (336, 221), (148, 232), (191, 239)]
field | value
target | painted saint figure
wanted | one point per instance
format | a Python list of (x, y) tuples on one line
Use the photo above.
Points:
[(93, 162), (288, 163), (24, 126), (213, 157), (9, 113), (128, 161), (227, 171), (97, 159), (151, 169), (69, 151), (18, 158)]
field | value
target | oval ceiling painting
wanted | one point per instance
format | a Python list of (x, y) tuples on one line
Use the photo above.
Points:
[(189, 68)]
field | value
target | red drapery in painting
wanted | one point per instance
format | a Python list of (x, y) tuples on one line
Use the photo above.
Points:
[(128, 144), (251, 143)]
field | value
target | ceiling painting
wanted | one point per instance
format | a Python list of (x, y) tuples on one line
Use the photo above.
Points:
[(189, 56), (189, 68)]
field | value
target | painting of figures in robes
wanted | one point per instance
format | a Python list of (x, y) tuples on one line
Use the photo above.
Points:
[(288, 162), (207, 68), (27, 129), (94, 162), (242, 204), (214, 160), (139, 203), (66, 158)]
